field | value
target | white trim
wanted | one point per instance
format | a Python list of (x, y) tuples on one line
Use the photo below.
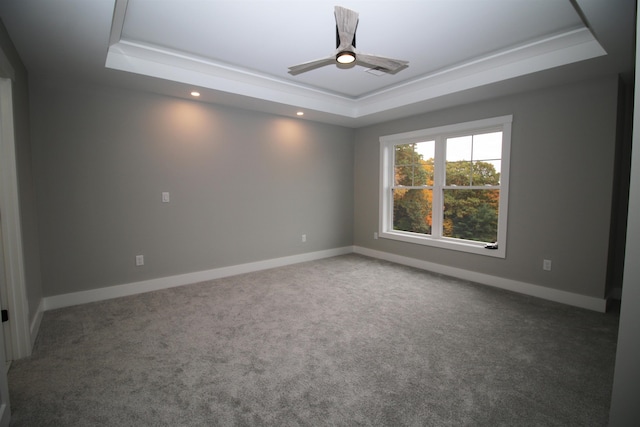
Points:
[(76, 298), (6, 69), (117, 23), (158, 61), (430, 133), (179, 67), (505, 171), (5, 412), (555, 51), (556, 295), (439, 135), (37, 320), (83, 297), (12, 228)]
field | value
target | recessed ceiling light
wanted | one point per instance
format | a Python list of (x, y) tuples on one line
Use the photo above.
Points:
[(300, 113), (194, 93)]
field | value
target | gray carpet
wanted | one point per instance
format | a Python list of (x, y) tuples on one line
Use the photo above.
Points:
[(342, 341)]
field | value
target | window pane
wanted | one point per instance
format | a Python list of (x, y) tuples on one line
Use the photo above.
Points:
[(414, 163), (471, 214), (412, 210), (459, 173), (404, 175), (487, 146), (474, 159), (403, 154), (459, 148), (485, 173), (426, 150), (421, 175)]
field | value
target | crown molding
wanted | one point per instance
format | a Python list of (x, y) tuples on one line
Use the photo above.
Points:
[(155, 61)]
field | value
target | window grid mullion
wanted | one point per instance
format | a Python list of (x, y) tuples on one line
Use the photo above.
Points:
[(471, 187)]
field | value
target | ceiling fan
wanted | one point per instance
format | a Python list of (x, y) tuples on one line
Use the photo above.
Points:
[(346, 55)]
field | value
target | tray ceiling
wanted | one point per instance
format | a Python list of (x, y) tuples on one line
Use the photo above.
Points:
[(238, 52)]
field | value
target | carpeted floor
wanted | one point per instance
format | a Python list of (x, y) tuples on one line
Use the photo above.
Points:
[(341, 341)]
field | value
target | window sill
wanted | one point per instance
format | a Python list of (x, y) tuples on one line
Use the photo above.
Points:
[(450, 244)]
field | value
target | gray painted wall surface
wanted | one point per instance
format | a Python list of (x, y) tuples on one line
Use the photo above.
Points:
[(28, 217), (625, 410), (562, 156), (244, 186)]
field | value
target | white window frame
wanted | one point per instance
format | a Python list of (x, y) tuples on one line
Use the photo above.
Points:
[(440, 134)]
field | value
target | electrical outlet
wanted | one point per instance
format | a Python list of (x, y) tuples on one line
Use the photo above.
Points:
[(165, 197), (546, 265), (304, 238), (139, 260), (375, 235)]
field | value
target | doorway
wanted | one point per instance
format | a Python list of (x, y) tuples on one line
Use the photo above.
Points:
[(5, 407), (15, 299), (13, 274)]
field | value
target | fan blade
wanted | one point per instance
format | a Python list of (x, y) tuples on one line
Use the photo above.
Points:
[(347, 22), (388, 64), (311, 65)]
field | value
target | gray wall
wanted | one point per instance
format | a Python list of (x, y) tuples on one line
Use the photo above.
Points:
[(562, 157), (244, 186), (28, 217)]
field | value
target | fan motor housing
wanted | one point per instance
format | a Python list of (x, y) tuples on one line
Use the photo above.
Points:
[(353, 43)]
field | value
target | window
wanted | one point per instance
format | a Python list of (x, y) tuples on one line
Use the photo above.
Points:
[(448, 186)]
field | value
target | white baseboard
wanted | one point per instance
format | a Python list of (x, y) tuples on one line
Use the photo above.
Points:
[(577, 300), (76, 298), (83, 297)]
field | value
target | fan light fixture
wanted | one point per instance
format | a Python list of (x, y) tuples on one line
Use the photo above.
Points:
[(345, 57)]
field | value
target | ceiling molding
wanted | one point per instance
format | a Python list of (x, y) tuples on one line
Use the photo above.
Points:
[(176, 47), (562, 49), (119, 13), (175, 66), (569, 47)]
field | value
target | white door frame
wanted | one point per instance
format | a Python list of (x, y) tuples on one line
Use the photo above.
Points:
[(11, 226), (5, 401)]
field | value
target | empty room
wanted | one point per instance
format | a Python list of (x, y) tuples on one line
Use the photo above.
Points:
[(302, 213)]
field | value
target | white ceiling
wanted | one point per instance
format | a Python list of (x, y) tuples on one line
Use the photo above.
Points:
[(238, 52)]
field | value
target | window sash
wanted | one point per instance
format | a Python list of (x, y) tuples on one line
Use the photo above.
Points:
[(440, 135)]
